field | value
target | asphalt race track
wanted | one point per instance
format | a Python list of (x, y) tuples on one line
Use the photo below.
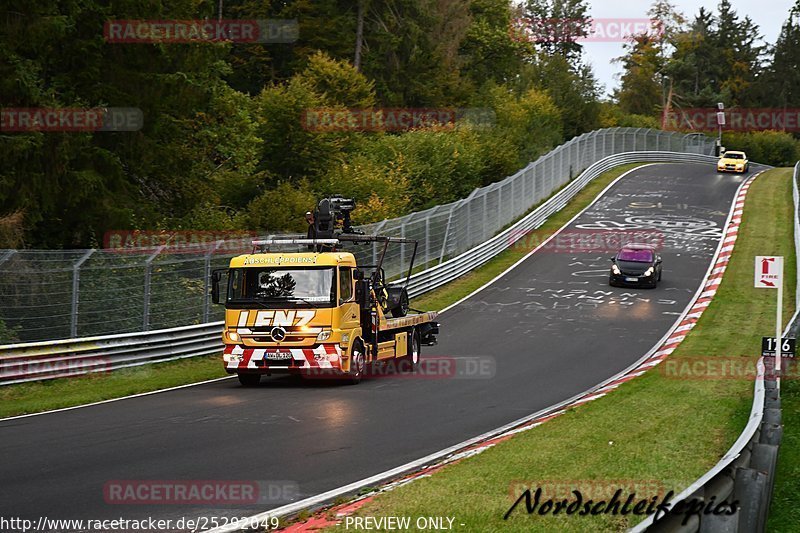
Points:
[(547, 330)]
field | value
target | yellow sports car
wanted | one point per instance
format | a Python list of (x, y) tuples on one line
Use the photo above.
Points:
[(733, 162)]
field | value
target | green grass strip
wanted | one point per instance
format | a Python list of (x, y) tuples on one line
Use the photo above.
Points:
[(784, 514)]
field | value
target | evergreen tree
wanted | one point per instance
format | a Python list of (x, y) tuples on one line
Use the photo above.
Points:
[(640, 92), (780, 85), (559, 24), (644, 82), (740, 54)]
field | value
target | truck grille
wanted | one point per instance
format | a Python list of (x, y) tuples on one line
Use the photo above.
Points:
[(289, 338)]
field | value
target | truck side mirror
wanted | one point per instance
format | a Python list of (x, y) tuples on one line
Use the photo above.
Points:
[(216, 276)]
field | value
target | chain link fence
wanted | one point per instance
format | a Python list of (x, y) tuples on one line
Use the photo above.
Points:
[(58, 294)]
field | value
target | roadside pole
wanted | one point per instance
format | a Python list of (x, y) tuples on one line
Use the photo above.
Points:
[(778, 324), (769, 275)]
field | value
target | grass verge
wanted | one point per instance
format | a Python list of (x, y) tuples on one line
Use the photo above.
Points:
[(59, 393), (658, 432), (40, 396), (784, 513)]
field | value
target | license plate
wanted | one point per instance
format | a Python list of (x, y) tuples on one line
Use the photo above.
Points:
[(634, 280), (278, 356)]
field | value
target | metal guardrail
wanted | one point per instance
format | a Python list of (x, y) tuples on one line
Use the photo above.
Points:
[(746, 473), (794, 323), (57, 294), (69, 357)]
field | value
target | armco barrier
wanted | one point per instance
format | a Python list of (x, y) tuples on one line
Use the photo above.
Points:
[(60, 358), (746, 473), (70, 357)]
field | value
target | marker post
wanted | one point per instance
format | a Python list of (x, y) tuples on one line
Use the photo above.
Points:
[(769, 275), (778, 323)]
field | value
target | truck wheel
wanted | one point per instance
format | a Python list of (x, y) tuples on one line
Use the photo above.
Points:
[(401, 309), (358, 363), (249, 380), (414, 349)]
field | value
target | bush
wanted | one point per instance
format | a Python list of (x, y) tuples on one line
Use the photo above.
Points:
[(280, 209), (380, 188), (291, 150), (440, 166), (527, 127), (611, 116), (774, 148)]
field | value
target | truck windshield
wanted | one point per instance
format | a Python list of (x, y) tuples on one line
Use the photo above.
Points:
[(277, 287)]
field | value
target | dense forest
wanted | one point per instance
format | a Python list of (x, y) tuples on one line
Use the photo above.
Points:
[(223, 145)]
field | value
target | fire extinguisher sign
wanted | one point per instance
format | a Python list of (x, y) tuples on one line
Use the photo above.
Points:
[(769, 271)]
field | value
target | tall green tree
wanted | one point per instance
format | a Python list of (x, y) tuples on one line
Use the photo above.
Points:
[(557, 66), (559, 24), (780, 85), (738, 42), (72, 187), (489, 51), (641, 89), (719, 59), (573, 88), (693, 65), (644, 82)]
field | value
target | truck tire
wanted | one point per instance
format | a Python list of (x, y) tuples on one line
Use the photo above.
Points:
[(401, 309), (414, 349), (358, 363), (249, 380)]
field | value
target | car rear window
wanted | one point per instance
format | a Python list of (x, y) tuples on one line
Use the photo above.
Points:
[(639, 256)]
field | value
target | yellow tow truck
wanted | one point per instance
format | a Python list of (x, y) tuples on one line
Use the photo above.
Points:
[(316, 312)]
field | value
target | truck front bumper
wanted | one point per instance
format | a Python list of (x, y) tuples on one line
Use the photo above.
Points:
[(322, 357)]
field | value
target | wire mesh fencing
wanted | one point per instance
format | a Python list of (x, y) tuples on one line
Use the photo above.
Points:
[(58, 294)]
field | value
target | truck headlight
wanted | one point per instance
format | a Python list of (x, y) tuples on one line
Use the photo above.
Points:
[(615, 269), (649, 272), (232, 335), (324, 335)]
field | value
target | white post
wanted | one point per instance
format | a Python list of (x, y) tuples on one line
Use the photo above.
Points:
[(769, 275), (779, 323)]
